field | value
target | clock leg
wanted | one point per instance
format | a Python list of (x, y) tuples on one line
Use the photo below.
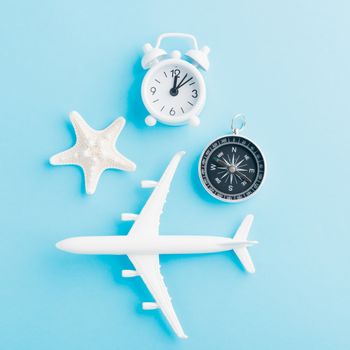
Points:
[(150, 121), (194, 121)]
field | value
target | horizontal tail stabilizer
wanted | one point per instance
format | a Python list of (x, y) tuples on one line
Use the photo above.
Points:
[(242, 236), (243, 230), (245, 259)]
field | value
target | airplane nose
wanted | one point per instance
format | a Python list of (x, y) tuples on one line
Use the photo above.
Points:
[(61, 245), (92, 245), (67, 245)]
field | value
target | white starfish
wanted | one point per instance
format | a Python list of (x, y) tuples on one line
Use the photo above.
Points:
[(94, 151)]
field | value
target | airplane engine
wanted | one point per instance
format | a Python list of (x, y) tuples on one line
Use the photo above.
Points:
[(148, 183), (149, 305), (129, 217), (129, 273)]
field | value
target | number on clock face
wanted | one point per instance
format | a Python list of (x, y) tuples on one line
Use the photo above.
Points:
[(173, 90), (232, 168)]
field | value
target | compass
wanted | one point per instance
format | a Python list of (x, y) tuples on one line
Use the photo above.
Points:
[(232, 167)]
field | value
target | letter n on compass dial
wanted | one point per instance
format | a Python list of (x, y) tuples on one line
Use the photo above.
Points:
[(232, 168)]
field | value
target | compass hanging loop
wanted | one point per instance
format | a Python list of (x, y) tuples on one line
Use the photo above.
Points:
[(238, 123)]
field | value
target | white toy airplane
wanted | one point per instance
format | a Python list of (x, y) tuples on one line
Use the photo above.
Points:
[(143, 245)]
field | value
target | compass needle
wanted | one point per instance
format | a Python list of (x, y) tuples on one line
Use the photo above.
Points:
[(227, 163), (239, 162), (231, 178), (246, 177)]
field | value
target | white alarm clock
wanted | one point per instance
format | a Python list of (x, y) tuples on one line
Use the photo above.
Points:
[(173, 90)]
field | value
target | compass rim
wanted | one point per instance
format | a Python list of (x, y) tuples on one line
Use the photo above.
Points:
[(225, 199)]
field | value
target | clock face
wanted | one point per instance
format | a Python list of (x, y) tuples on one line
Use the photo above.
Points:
[(232, 168), (173, 90)]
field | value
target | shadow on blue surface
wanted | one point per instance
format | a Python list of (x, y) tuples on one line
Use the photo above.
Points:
[(136, 112)]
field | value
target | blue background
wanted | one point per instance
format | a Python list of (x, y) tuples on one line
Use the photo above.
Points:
[(285, 64)]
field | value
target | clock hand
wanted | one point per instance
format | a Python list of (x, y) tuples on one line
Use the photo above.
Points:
[(182, 80), (174, 90), (175, 81), (180, 85)]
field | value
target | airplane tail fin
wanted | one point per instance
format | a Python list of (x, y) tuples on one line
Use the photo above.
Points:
[(242, 236)]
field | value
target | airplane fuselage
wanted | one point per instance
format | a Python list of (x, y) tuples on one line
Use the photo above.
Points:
[(167, 244)]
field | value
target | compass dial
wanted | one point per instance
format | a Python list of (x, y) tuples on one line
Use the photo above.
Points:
[(232, 168)]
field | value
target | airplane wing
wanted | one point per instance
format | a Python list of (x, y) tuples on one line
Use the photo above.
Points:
[(146, 227), (147, 222), (147, 266)]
